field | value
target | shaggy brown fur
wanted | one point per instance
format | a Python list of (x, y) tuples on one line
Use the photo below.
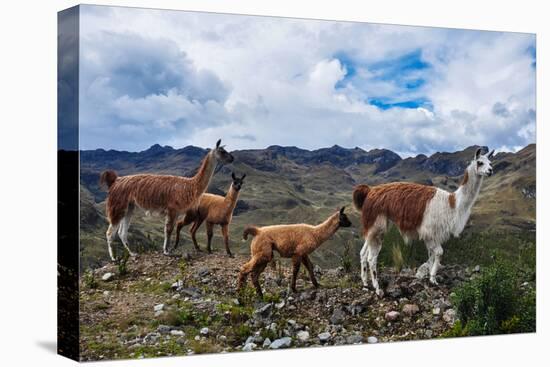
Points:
[(168, 195), (294, 241), (388, 200), (214, 209)]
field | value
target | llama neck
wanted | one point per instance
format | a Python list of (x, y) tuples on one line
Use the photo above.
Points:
[(231, 198), (468, 191), (326, 229), (205, 173)]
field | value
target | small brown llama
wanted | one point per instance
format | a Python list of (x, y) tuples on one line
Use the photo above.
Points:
[(215, 210), (294, 241), (165, 194)]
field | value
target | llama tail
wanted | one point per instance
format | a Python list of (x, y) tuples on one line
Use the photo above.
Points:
[(250, 230), (107, 178), (359, 195)]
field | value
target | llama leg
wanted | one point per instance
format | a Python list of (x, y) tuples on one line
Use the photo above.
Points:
[(364, 260), (296, 261), (168, 228), (123, 234), (225, 234), (309, 267), (209, 234), (437, 253), (179, 226), (194, 229), (111, 233), (375, 244), (258, 269), (243, 274), (424, 270)]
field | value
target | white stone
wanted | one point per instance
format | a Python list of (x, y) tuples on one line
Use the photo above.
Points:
[(324, 337), (248, 347), (281, 343), (159, 307), (177, 333), (107, 276), (204, 331), (372, 340), (302, 336)]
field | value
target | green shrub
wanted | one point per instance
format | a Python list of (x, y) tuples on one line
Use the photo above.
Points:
[(495, 303), (346, 260), (89, 279), (122, 263)]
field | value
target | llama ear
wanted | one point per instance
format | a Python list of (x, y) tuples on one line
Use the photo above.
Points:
[(218, 143), (478, 153), (233, 176), (342, 210), (490, 155), (242, 178)]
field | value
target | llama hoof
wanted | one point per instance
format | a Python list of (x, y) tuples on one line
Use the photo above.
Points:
[(230, 255), (166, 253), (380, 293), (433, 281), (365, 288), (132, 254)]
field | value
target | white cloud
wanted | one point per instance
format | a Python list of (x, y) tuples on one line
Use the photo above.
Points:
[(289, 82)]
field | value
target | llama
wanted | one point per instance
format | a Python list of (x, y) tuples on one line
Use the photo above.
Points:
[(423, 212), (215, 209), (294, 241), (165, 194)]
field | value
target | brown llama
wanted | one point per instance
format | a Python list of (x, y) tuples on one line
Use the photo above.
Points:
[(294, 241), (419, 212), (214, 209), (165, 194)]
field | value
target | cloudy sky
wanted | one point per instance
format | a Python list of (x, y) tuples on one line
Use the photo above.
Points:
[(180, 78)]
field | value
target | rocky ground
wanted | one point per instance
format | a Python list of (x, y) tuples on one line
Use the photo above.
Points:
[(188, 305)]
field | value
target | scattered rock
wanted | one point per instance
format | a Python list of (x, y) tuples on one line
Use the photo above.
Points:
[(163, 329), (428, 333), (248, 347), (159, 307), (324, 337), (204, 331), (107, 276), (177, 285), (302, 336), (477, 269), (202, 272), (410, 309), (177, 333), (338, 316), (151, 338), (392, 315), (372, 340), (354, 339), (280, 305), (264, 311), (436, 311), (449, 316), (281, 343), (267, 343)]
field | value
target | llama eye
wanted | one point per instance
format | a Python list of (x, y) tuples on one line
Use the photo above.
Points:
[(479, 164)]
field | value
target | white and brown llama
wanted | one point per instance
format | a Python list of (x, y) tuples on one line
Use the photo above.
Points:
[(215, 210), (164, 194), (419, 212)]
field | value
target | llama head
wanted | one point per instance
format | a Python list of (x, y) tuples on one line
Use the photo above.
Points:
[(221, 154), (482, 163), (237, 182), (343, 220)]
